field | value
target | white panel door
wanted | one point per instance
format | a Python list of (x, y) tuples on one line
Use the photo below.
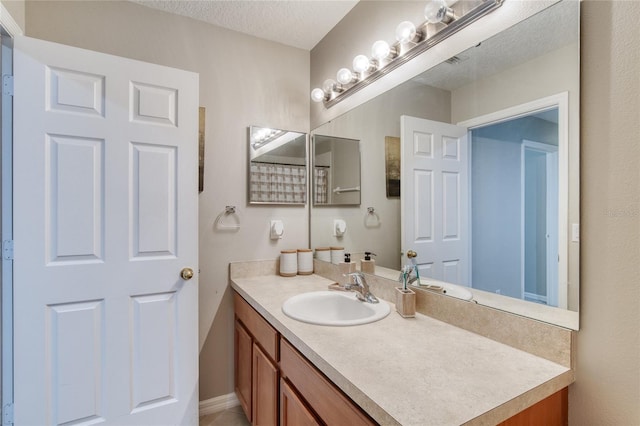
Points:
[(105, 218), (435, 198)]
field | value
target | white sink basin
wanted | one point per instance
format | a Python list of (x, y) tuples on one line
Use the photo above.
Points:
[(333, 308)]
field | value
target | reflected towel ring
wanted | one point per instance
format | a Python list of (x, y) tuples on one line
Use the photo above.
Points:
[(375, 221), (219, 222)]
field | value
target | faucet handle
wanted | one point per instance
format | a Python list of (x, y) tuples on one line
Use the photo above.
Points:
[(356, 277)]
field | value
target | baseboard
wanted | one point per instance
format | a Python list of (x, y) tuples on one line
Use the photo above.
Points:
[(217, 404)]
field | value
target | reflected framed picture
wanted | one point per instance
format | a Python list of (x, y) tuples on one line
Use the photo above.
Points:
[(392, 166)]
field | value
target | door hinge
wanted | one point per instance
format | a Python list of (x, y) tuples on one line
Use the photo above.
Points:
[(7, 84), (7, 414), (7, 249)]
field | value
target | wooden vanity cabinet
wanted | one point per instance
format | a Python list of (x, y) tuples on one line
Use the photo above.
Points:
[(243, 367), (276, 384), (324, 398), (256, 369), (293, 410), (552, 411)]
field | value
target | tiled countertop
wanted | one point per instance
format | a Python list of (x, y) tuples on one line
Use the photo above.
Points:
[(417, 371)]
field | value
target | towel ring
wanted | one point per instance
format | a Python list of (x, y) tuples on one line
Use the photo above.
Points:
[(371, 214), (228, 211)]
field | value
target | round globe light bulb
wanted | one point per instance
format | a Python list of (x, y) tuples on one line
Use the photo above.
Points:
[(344, 76), (317, 95), (328, 85), (405, 31), (380, 50), (435, 11), (361, 63)]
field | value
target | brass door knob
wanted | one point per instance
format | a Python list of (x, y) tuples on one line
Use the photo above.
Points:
[(186, 274), (411, 254)]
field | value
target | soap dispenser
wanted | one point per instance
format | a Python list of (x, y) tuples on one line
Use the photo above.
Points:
[(368, 265), (347, 267)]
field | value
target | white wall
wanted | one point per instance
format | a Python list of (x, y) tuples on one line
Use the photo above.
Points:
[(243, 81)]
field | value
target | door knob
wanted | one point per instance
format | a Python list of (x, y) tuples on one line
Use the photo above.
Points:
[(186, 274)]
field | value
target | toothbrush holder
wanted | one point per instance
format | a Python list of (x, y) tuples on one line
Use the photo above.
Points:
[(405, 302)]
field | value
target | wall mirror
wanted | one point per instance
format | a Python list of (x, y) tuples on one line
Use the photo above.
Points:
[(277, 166), (515, 206), (336, 171)]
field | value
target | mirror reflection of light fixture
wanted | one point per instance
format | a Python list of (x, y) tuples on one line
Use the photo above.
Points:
[(385, 57), (264, 135)]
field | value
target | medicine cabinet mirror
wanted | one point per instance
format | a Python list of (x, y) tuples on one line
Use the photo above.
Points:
[(277, 166), (516, 98), (336, 171)]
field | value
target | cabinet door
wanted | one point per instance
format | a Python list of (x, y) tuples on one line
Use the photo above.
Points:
[(293, 412), (242, 373), (265, 389), (327, 401)]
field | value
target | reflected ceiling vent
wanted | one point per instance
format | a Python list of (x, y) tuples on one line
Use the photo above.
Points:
[(454, 60)]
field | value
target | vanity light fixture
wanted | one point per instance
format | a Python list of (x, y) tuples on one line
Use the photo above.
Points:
[(362, 64), (437, 11), (265, 135), (406, 32), (410, 43), (345, 76), (381, 51)]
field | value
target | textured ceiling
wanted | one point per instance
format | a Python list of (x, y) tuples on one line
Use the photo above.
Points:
[(297, 23)]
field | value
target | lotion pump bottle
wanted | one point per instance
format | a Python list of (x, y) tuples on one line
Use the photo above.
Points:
[(368, 265), (347, 266)]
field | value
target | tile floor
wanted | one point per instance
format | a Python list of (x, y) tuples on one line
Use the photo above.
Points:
[(230, 417)]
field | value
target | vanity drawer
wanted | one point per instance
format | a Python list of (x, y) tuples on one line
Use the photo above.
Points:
[(329, 403), (258, 327)]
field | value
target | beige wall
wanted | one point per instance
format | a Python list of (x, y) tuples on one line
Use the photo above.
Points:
[(243, 81), (607, 388)]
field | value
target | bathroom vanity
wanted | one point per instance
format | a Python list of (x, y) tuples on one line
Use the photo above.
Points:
[(393, 371)]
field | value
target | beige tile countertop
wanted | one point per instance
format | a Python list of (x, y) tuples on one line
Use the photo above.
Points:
[(417, 371)]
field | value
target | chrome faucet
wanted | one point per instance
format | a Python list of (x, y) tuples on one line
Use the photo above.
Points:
[(358, 283), (410, 273)]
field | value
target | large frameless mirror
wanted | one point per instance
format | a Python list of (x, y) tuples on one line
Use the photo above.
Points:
[(489, 149), (277, 166)]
